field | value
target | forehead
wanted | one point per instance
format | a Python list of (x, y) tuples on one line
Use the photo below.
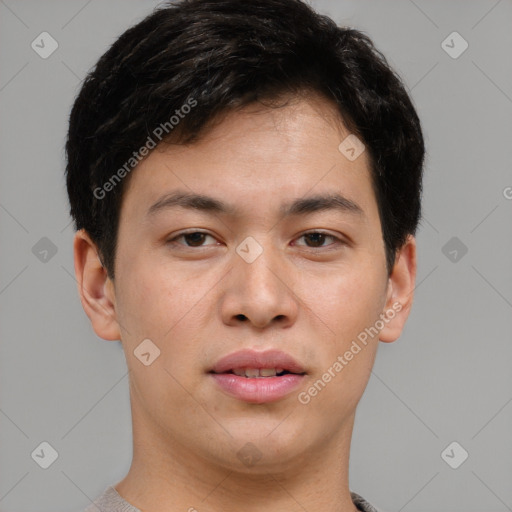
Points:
[(256, 157)]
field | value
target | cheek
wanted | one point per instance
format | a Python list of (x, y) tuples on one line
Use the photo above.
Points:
[(151, 300), (349, 305), (155, 305), (169, 307), (347, 300)]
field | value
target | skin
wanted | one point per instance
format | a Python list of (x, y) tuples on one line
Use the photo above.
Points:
[(307, 298)]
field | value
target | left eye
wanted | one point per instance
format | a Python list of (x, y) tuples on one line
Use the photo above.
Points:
[(317, 238)]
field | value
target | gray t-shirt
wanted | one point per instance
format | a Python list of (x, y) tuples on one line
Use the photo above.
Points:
[(111, 501)]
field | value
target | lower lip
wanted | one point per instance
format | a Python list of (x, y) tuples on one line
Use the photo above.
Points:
[(257, 390)]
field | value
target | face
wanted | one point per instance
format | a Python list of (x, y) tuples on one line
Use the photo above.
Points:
[(256, 296)]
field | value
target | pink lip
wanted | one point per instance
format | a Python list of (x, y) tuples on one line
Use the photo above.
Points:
[(254, 359), (258, 389)]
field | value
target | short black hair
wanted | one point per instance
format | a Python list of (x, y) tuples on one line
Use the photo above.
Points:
[(217, 56)]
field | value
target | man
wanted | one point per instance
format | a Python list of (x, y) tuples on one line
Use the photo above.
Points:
[(245, 180)]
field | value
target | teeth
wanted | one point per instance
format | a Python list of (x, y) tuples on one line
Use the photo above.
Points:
[(256, 372), (252, 372)]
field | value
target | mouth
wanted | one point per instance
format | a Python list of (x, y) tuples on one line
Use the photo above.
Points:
[(257, 377), (259, 373)]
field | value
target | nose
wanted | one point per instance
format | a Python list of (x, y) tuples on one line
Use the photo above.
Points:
[(260, 292)]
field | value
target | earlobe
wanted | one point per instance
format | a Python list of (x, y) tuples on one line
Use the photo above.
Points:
[(400, 291), (96, 290)]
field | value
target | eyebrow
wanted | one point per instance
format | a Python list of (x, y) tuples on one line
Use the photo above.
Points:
[(300, 206)]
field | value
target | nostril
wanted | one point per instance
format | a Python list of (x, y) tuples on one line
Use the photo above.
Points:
[(241, 317)]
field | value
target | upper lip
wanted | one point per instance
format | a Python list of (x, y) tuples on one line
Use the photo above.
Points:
[(254, 359)]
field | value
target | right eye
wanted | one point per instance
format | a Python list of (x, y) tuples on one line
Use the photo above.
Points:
[(192, 238)]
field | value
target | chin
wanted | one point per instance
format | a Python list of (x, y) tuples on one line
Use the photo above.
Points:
[(259, 446)]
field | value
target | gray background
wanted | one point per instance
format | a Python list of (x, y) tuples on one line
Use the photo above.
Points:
[(447, 379)]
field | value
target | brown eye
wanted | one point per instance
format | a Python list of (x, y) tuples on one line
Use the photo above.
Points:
[(192, 239), (317, 239)]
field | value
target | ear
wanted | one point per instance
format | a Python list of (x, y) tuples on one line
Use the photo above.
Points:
[(96, 289), (400, 292)]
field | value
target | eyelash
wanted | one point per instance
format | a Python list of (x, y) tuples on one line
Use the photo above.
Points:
[(338, 241)]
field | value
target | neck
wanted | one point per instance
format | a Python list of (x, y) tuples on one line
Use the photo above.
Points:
[(167, 476)]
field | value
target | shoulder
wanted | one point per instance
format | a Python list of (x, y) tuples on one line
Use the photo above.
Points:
[(110, 501), (362, 504)]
